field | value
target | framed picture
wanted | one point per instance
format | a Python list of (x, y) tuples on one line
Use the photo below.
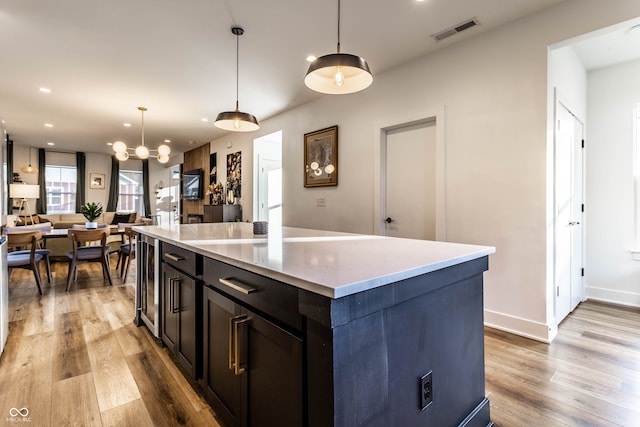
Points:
[(321, 157), (96, 181)]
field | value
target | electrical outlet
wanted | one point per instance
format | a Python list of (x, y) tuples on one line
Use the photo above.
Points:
[(426, 390)]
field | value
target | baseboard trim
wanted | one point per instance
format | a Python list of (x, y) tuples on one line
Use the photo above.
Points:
[(630, 299), (519, 326)]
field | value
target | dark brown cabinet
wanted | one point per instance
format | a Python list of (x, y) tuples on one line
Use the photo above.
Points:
[(180, 313), (252, 368), (222, 213)]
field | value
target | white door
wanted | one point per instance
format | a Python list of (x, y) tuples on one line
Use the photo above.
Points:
[(568, 212), (410, 206), (270, 192)]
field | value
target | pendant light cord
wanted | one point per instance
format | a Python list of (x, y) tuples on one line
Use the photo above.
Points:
[(142, 111), (237, 66), (338, 26)]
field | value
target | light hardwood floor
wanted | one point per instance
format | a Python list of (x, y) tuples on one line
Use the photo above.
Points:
[(77, 359), (588, 376)]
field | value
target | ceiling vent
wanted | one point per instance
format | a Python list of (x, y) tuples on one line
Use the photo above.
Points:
[(469, 23)]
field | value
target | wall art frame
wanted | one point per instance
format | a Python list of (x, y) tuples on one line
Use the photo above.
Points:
[(321, 157), (96, 181)]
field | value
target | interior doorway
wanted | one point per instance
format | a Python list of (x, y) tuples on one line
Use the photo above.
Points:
[(568, 211), (409, 190), (267, 197), (411, 181)]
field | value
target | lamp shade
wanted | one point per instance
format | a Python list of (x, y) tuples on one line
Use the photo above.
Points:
[(237, 121), (24, 191), (338, 73)]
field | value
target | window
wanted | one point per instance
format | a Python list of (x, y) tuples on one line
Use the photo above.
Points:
[(61, 189), (131, 192)]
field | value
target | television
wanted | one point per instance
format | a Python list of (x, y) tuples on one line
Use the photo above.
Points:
[(192, 184)]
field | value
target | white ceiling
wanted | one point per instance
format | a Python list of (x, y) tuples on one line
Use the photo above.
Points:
[(104, 59)]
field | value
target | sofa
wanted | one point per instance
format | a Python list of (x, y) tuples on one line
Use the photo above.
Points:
[(60, 247)]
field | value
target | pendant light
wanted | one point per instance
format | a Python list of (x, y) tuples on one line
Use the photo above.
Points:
[(237, 121), (141, 151), (338, 73), (29, 169)]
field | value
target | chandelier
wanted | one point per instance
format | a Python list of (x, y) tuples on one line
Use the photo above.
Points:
[(141, 151)]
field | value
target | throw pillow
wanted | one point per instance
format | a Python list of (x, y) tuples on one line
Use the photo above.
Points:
[(118, 218)]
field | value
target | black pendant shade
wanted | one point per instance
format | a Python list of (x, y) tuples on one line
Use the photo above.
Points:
[(338, 73), (237, 121)]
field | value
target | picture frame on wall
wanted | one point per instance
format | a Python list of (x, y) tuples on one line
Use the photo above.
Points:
[(96, 181), (321, 157)]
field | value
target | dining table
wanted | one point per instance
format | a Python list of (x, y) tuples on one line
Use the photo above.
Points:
[(56, 233)]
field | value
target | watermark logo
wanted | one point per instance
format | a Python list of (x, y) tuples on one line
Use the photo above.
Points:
[(19, 415)]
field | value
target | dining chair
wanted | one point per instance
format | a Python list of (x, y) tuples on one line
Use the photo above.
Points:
[(84, 251), (127, 252), (26, 259), (40, 249)]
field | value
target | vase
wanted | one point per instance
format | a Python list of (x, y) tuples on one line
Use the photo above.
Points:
[(91, 224)]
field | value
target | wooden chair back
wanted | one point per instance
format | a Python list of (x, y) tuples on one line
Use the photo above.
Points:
[(24, 240), (82, 237)]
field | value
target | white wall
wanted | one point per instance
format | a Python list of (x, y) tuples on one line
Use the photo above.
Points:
[(612, 275), (494, 90)]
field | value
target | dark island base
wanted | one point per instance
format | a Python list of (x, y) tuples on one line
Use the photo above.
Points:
[(378, 344)]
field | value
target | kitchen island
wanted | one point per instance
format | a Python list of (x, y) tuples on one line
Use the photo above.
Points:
[(316, 328)]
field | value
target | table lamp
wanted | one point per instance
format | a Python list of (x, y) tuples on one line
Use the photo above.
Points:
[(24, 192)]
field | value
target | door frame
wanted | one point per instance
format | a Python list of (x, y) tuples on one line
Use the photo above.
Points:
[(561, 102), (381, 128)]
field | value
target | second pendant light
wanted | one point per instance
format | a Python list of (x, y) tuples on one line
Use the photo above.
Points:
[(237, 121)]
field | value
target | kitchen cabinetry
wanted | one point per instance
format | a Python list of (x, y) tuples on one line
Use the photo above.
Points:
[(252, 367), (222, 213), (180, 311), (321, 329)]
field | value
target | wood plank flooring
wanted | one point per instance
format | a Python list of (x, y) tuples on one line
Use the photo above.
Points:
[(77, 359), (588, 376)]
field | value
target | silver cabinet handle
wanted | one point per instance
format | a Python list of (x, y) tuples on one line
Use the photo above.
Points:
[(172, 302), (238, 286), (234, 351), (173, 257), (241, 365)]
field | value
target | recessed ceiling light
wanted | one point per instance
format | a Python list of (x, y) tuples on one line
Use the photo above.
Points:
[(51, 143), (204, 119), (44, 90), (311, 58), (48, 125), (127, 125), (191, 142), (167, 141), (109, 143)]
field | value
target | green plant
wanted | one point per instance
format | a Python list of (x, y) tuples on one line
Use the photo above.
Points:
[(91, 211)]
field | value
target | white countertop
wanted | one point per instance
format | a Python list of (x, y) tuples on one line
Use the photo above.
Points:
[(325, 262)]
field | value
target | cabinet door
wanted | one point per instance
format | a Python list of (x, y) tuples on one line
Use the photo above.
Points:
[(265, 388), (275, 375), (170, 307), (224, 390), (187, 331)]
